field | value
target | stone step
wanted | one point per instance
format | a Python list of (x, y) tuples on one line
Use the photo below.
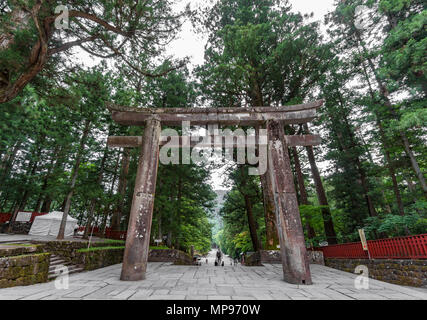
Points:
[(68, 265), (59, 262), (71, 269), (56, 260), (53, 267)]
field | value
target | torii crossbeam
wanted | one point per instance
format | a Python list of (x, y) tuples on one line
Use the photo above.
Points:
[(292, 244)]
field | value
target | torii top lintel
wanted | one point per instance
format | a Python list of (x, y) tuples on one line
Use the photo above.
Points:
[(243, 116)]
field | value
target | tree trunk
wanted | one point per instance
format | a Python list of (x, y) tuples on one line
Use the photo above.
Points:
[(38, 54), (54, 160), (311, 233), (33, 165), (159, 225), (321, 195), (411, 188), (252, 223), (21, 206), (47, 203), (377, 179), (271, 234), (94, 200), (117, 215), (88, 228), (249, 212), (272, 237), (414, 163), (107, 206), (74, 176), (7, 162), (178, 213)]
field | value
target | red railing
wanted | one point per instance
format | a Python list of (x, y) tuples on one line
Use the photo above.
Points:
[(95, 229), (412, 247), (116, 235), (5, 217), (109, 234)]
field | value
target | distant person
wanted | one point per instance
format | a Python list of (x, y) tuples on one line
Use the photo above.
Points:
[(218, 258)]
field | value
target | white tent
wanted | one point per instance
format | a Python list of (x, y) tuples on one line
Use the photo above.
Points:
[(23, 216), (48, 225)]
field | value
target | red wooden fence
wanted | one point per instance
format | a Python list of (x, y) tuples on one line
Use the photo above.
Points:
[(109, 234), (116, 235), (95, 229), (412, 247), (5, 217)]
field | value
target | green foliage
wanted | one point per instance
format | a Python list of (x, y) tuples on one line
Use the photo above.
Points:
[(396, 225)]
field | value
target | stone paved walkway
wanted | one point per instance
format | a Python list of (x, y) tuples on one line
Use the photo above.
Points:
[(166, 281)]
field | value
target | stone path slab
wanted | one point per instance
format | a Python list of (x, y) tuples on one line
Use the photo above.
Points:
[(168, 282)]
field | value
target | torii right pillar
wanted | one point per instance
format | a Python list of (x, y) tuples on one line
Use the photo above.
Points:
[(296, 269)]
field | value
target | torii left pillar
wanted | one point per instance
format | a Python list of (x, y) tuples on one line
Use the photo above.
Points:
[(295, 264), (141, 214)]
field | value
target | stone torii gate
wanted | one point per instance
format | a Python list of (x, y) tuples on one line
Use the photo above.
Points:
[(291, 236)]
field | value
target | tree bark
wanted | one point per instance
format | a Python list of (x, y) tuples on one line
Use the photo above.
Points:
[(311, 233), (25, 188), (94, 200), (7, 162), (74, 176), (117, 215), (107, 206), (53, 160), (22, 203), (321, 195), (271, 235), (252, 223)]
